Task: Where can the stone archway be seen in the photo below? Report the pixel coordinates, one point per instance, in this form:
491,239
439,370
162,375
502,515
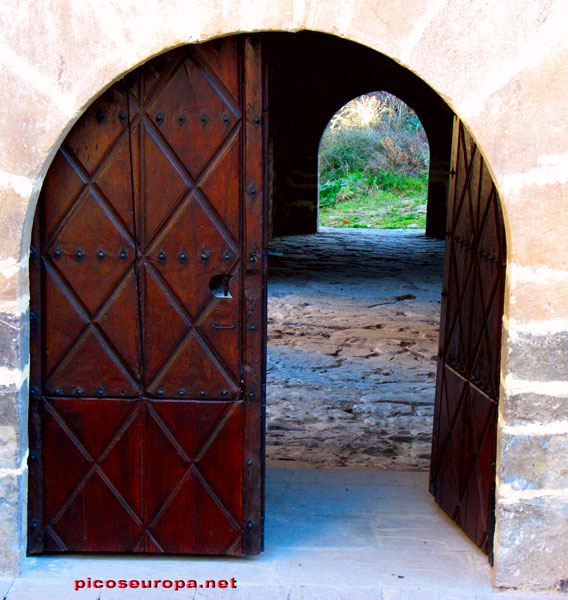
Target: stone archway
305,92
498,70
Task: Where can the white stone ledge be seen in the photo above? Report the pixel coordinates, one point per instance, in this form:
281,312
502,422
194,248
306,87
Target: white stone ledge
23,186
508,495
553,428
14,377
27,72
519,274
513,385
18,471
516,328
551,169
10,267
15,308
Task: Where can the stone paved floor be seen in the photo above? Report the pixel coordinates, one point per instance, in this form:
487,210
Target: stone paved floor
353,320
331,534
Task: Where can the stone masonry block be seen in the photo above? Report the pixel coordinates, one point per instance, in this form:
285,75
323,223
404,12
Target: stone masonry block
10,280
538,300
13,207
9,447
9,405
28,132
12,536
531,543
540,240
526,408
13,425
533,462
11,331
539,357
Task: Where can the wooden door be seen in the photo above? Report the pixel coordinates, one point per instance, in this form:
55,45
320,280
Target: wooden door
148,312
462,476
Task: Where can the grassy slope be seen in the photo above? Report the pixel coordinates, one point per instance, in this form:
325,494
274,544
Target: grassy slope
356,201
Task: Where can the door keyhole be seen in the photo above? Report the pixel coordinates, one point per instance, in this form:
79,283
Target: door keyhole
219,286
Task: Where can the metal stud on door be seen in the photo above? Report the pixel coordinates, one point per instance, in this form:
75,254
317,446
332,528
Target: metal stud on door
144,390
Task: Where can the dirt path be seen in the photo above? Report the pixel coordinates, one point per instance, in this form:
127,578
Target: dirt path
352,338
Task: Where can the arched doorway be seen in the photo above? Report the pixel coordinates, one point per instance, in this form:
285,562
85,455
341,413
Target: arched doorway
469,251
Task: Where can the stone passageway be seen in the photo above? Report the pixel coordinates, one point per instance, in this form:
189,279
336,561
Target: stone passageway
353,319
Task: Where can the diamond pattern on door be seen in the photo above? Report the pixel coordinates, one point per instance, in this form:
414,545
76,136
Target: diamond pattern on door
74,252
462,476
140,415
97,131
191,250
81,521
165,322
75,374
159,200
61,187
220,186
86,487
194,371
203,515
193,106
218,326
59,336
119,323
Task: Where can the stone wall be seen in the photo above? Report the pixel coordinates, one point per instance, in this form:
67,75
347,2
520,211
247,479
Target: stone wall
501,67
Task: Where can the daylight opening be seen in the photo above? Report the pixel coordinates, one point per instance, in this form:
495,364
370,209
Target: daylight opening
373,166
354,309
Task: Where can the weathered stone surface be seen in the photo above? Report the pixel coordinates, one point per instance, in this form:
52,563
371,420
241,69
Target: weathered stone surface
536,300
28,134
12,532
9,446
10,281
508,124
12,328
499,78
386,31
523,409
539,358
13,425
540,193
13,207
9,405
533,462
531,543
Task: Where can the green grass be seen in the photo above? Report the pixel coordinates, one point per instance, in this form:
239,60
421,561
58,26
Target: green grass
374,160
380,201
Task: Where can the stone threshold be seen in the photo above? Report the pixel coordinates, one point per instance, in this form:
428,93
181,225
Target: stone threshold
333,534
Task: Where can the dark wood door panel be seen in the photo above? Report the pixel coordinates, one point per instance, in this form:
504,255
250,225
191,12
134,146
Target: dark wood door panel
462,476
147,331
